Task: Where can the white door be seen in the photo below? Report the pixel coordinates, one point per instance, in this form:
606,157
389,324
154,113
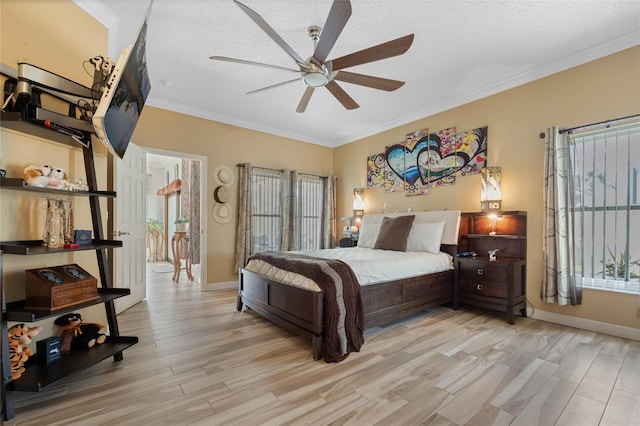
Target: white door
130,227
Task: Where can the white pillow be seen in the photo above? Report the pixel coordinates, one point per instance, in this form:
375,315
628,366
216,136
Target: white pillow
425,237
368,235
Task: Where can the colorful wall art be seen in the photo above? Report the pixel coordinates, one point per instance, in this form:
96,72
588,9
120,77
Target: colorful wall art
376,177
471,146
425,160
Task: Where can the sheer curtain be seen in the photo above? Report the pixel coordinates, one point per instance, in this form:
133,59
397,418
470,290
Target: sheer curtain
243,247
330,234
559,284
288,209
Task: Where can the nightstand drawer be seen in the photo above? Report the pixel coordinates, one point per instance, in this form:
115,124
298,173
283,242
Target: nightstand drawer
484,287
479,269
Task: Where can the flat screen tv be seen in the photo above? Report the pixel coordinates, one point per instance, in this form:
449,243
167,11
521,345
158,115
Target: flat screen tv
125,92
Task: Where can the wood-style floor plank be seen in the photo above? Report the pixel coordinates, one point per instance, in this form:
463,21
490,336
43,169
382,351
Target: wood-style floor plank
581,411
622,409
548,403
599,380
200,362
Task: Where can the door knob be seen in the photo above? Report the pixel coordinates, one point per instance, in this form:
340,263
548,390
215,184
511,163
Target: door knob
117,234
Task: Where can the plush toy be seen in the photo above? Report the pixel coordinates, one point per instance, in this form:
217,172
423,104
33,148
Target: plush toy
79,335
46,177
19,337
37,175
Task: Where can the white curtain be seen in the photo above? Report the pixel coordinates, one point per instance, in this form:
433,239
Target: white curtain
559,284
330,215
243,247
288,209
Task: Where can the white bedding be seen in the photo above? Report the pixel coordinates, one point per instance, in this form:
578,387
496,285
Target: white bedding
369,265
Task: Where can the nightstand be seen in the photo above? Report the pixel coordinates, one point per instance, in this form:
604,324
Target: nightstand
501,284
498,285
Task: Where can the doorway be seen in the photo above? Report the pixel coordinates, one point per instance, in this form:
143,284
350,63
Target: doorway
176,188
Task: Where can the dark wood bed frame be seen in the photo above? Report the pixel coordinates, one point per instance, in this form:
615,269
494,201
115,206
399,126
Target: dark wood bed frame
300,310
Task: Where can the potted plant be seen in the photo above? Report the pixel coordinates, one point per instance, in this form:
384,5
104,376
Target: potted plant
154,226
182,223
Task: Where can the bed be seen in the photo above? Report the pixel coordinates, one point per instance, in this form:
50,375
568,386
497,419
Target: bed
298,304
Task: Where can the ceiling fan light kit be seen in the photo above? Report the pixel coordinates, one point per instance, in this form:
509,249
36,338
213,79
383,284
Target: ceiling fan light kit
316,76
317,71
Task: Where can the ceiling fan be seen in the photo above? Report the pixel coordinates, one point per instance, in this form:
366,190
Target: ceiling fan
317,71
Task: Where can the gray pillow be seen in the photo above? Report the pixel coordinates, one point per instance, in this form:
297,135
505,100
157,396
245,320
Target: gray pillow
394,232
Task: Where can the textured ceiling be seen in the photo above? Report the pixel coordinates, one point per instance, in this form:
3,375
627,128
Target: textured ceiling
462,51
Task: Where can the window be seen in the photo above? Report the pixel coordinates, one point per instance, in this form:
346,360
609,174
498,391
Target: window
607,213
309,227
266,210
287,210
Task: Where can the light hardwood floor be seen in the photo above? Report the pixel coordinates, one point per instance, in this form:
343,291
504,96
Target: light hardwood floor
201,362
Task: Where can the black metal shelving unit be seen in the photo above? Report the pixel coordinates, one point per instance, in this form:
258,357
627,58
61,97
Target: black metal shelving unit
38,377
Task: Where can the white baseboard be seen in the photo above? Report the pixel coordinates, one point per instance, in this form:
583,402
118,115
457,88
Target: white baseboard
586,324
225,285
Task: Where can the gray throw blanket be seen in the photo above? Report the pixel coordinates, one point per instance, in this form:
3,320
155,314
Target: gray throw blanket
342,311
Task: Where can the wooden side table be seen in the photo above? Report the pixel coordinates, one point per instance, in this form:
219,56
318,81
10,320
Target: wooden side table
154,246
180,250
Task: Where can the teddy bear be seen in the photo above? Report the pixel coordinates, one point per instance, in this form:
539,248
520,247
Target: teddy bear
46,177
19,337
79,335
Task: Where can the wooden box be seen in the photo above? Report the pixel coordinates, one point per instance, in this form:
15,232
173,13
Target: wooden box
58,287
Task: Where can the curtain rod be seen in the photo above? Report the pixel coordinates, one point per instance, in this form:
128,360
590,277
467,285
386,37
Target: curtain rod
242,165
607,122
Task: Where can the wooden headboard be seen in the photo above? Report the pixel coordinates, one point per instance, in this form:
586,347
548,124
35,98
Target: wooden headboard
451,219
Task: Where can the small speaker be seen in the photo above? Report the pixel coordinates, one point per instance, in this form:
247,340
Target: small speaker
49,350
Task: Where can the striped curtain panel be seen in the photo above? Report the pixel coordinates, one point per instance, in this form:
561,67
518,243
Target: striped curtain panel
559,284
330,225
288,209
244,240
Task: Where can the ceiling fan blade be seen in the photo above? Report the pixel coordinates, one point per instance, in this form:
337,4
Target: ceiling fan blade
302,105
338,16
337,91
369,81
271,32
381,51
242,61
273,86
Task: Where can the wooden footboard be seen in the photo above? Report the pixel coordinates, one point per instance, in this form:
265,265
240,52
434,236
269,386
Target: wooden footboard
300,310
293,308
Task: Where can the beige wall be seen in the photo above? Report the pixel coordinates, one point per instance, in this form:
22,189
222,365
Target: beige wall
224,144
57,37
600,90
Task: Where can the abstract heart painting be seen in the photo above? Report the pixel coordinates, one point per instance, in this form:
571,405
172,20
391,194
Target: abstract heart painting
425,160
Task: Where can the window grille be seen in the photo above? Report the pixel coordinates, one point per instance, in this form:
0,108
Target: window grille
271,203
310,207
607,214
266,210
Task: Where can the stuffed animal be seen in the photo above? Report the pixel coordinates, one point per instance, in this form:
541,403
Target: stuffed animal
79,335
46,177
19,337
37,175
